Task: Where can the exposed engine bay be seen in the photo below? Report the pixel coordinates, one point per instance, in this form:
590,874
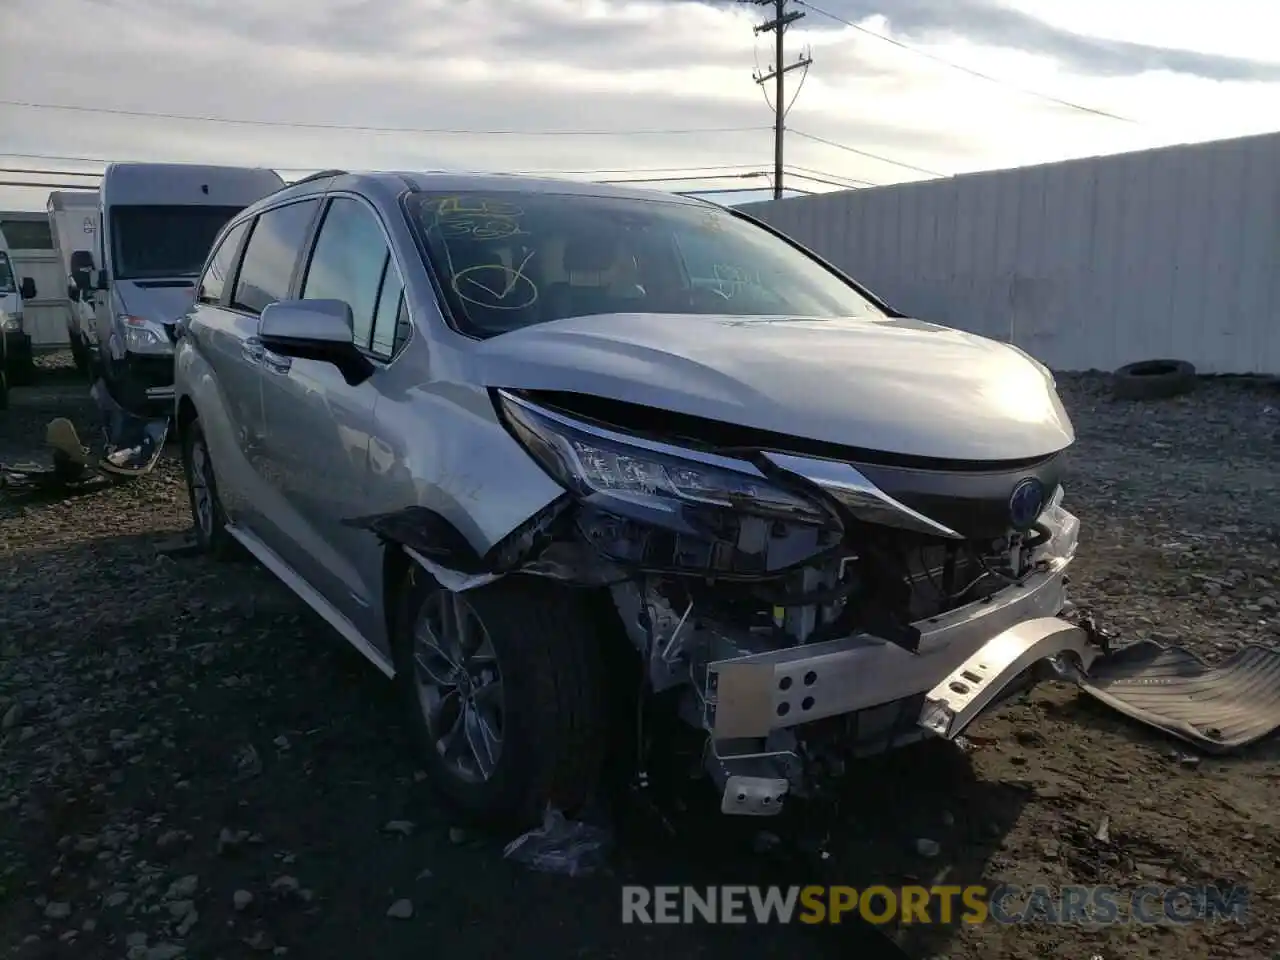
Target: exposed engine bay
801,605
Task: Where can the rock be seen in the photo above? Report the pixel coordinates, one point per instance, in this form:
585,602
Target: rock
12,717
57,910
169,838
180,908
928,848
457,835
187,923
183,888
1189,761
136,939
285,885
115,898
241,899
166,951
261,941
402,827
400,910
89,925
1049,849
229,840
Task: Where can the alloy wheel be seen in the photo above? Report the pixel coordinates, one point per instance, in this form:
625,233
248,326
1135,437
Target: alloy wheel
459,686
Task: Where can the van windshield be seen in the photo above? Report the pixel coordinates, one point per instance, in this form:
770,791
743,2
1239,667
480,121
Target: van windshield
154,242
510,259
6,275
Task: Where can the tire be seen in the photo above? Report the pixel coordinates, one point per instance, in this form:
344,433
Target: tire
553,728
4,388
1154,380
209,529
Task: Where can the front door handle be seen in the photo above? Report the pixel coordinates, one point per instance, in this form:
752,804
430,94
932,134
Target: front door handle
274,362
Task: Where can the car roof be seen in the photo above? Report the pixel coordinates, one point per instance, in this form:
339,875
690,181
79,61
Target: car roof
390,184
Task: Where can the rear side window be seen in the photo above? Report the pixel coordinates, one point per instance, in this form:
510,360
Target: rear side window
348,263
272,253
222,267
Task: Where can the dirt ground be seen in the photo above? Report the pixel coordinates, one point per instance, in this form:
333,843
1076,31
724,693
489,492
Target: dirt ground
191,760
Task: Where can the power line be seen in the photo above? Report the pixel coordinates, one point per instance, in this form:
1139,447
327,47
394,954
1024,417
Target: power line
109,111
839,176
47,186
753,175
955,66
812,179
781,20
864,153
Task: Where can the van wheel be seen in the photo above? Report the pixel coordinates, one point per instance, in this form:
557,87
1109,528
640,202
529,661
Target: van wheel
504,686
209,522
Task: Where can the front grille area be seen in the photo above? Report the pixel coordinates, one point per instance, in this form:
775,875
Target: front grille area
937,585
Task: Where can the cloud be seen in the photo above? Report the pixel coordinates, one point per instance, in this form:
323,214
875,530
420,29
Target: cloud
992,23
562,65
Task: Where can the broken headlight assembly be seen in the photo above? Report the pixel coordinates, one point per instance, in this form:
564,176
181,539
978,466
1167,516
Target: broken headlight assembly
660,507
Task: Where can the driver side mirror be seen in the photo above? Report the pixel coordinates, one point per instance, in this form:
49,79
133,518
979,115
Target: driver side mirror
101,280
27,288
73,293
320,330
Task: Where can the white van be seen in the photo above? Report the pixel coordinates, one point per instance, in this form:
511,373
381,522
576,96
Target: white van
15,342
75,218
157,223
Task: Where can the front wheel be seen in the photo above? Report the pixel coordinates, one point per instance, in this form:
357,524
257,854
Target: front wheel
505,693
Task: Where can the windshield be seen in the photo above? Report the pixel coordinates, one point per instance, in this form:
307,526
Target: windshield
159,242
6,275
509,260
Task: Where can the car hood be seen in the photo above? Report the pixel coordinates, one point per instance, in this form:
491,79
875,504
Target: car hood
894,385
160,301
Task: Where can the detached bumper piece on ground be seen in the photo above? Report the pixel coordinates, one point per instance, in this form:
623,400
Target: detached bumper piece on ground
132,446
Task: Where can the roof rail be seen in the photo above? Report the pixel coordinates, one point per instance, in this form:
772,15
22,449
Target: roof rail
322,175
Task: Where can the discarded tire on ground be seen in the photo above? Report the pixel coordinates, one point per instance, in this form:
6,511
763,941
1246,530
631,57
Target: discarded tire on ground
1153,380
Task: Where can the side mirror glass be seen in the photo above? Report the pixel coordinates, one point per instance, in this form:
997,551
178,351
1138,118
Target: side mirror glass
27,288
320,330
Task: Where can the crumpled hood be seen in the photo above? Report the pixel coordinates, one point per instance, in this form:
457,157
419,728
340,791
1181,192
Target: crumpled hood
160,301
893,385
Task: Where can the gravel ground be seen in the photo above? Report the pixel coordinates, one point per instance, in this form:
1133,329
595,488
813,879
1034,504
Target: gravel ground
189,759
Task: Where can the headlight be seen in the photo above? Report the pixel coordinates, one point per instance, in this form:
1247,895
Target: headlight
10,322
140,336
715,513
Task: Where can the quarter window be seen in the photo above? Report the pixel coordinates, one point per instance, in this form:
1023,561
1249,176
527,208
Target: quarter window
272,254
391,326
348,264
222,266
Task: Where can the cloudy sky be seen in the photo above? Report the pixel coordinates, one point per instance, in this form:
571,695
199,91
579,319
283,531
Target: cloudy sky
580,86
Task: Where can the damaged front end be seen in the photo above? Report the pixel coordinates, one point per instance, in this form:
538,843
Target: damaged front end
804,614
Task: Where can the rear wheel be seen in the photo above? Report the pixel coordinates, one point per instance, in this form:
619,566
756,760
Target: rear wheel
505,694
209,522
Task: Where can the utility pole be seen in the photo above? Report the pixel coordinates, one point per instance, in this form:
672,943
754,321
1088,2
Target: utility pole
781,20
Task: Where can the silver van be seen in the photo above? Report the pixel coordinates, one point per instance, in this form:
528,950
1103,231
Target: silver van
158,221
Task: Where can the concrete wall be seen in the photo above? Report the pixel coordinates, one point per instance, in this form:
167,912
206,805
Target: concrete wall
1087,264
31,249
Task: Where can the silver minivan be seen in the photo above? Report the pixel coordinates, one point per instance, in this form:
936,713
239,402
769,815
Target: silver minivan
537,447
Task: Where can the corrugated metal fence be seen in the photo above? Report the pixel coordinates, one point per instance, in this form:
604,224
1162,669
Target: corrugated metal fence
1087,264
